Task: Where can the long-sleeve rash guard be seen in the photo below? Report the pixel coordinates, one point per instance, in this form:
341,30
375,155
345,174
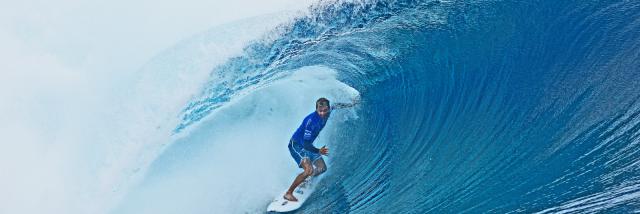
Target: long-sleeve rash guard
308,131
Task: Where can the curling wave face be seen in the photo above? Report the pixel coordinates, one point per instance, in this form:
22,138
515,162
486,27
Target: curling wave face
481,106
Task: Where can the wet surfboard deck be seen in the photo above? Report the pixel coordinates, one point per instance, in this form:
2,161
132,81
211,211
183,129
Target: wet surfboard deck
279,204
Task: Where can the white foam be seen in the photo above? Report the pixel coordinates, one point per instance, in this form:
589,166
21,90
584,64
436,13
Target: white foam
166,84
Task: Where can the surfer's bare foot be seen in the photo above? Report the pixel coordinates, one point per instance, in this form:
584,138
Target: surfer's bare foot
290,197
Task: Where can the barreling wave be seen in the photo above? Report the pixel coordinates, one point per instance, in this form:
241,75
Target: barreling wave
467,106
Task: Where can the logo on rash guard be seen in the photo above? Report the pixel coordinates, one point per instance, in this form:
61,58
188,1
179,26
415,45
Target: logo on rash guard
307,131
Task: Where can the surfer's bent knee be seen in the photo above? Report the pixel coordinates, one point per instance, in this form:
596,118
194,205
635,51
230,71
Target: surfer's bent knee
307,172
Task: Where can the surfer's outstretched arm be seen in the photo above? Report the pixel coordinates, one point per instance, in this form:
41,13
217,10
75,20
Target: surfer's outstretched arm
353,103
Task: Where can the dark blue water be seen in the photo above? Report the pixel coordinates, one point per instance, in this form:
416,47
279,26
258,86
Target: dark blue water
468,106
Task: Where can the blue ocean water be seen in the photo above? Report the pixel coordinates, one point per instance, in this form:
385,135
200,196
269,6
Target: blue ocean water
467,106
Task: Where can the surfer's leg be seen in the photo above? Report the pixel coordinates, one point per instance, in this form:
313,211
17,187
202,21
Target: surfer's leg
308,171
321,167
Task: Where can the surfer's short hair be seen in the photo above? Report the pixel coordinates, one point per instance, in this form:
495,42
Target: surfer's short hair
322,102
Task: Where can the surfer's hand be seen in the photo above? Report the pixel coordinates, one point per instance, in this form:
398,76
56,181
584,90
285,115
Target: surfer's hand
324,150
356,100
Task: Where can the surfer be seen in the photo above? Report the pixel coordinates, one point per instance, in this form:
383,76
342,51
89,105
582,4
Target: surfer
307,156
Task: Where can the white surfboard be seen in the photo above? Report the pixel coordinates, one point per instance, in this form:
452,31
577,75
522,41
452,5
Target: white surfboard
279,204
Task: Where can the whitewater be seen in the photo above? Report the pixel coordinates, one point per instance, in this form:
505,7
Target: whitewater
466,107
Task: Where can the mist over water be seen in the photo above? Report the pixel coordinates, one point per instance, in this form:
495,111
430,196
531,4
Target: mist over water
85,111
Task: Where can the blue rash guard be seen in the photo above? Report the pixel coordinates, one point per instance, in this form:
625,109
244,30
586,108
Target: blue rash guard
308,131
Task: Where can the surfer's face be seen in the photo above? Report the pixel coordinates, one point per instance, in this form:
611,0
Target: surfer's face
323,111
